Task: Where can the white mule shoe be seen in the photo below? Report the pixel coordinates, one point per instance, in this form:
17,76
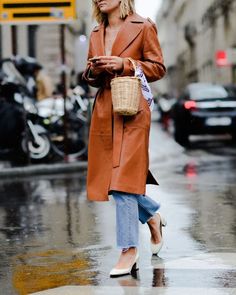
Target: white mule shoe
115,272
155,248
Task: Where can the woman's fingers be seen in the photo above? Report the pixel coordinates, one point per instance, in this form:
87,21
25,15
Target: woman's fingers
114,63
111,63
108,65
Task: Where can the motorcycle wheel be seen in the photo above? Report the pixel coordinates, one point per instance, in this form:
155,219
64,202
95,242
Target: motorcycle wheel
37,151
74,145
75,149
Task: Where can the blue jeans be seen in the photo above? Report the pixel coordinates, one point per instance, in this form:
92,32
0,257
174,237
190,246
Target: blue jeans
130,208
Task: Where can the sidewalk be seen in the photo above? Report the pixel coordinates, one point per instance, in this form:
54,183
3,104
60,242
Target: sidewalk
41,169
88,290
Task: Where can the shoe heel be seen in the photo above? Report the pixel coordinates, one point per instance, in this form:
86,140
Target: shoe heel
136,265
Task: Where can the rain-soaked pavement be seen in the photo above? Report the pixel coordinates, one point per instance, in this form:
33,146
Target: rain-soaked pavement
51,236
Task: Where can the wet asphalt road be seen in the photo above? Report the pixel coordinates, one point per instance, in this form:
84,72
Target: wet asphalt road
50,236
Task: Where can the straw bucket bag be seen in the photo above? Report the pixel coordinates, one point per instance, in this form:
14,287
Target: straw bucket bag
126,92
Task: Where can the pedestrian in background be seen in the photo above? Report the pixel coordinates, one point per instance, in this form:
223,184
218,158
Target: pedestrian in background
44,85
118,145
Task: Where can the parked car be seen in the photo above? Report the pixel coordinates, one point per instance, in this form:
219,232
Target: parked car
231,89
165,104
204,108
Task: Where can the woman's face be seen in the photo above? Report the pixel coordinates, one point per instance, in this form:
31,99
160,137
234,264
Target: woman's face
108,6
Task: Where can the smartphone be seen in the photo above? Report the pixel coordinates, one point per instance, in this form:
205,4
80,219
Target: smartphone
94,59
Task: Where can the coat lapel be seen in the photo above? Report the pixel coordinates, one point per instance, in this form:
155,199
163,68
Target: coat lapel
127,34
98,40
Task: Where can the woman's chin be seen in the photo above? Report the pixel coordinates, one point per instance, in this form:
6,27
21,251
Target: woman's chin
106,10
103,9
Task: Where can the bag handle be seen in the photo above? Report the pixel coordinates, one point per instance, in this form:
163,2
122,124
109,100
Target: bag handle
133,64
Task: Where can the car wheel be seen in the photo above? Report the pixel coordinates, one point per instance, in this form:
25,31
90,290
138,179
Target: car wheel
233,136
181,135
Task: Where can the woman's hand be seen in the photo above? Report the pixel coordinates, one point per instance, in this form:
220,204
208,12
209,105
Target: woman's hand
112,63
95,67
106,63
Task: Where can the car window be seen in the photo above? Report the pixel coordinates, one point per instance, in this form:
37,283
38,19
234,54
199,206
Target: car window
214,91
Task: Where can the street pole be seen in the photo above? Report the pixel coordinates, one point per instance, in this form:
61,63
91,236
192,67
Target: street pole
14,39
64,88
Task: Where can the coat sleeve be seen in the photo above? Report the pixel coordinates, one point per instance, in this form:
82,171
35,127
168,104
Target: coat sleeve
152,59
94,81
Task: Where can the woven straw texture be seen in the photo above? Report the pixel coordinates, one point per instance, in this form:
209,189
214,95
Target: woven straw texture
126,93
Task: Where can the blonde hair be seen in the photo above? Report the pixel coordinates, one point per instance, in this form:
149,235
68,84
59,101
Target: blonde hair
126,7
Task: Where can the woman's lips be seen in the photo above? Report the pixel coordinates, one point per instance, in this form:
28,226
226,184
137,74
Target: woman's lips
100,4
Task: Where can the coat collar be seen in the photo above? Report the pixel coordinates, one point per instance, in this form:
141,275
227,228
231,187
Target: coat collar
130,29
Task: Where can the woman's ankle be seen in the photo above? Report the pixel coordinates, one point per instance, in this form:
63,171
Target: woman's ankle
155,228
130,250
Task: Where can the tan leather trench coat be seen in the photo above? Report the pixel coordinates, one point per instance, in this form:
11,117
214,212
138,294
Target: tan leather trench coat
118,146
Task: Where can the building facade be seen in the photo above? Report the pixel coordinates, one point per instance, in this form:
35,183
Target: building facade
43,42
191,33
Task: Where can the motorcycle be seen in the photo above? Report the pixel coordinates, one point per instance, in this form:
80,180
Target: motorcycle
68,131
66,120
20,131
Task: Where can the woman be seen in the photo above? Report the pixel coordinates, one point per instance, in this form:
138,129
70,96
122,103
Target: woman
118,145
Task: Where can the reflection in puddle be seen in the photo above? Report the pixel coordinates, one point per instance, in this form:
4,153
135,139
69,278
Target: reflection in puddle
37,219
210,270
190,170
159,279
129,281
199,278
53,268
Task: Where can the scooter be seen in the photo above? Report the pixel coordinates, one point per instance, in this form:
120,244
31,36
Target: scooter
66,121
19,130
68,131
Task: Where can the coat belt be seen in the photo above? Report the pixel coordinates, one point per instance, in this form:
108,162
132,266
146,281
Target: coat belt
118,131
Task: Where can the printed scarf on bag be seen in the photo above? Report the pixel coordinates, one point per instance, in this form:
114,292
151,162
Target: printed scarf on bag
146,90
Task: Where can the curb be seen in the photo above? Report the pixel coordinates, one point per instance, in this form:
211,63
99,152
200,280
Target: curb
43,169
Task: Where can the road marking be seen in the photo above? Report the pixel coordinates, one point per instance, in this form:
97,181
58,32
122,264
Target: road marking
88,290
201,261
202,270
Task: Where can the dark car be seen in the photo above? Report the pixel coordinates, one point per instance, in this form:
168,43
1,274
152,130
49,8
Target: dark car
231,89
204,108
